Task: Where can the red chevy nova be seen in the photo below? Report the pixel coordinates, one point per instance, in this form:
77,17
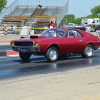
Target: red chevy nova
55,42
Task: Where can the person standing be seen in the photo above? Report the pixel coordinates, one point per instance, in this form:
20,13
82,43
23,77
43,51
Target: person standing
39,4
88,28
97,31
52,20
49,24
52,25
5,30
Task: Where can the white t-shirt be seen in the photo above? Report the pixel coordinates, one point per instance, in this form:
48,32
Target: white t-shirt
39,3
88,29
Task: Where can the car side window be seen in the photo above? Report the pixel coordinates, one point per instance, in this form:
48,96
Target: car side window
77,34
66,35
73,34
70,34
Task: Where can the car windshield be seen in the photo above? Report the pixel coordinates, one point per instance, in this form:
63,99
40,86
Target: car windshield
53,33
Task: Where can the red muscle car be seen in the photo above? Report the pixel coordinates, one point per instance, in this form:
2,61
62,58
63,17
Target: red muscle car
55,42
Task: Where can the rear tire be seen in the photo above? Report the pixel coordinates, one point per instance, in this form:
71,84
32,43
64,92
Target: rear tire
24,56
88,51
52,54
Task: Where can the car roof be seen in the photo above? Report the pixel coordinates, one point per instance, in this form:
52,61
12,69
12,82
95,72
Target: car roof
81,31
66,28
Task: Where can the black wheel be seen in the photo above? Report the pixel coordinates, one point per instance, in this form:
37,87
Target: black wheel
52,54
88,51
24,56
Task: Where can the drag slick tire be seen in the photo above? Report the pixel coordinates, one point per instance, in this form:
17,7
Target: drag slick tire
52,54
24,56
88,51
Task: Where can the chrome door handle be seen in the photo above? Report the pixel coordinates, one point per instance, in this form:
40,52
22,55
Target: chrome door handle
80,40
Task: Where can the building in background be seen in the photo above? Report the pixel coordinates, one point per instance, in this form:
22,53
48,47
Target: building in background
91,22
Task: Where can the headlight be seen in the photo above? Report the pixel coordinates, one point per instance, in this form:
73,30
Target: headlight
12,43
36,44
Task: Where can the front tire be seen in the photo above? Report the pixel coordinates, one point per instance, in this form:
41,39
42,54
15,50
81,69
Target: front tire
24,56
88,51
52,54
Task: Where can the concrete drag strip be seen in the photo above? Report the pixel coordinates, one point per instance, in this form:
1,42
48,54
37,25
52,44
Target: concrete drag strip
75,85
2,53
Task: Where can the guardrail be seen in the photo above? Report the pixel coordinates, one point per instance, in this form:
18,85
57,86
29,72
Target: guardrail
23,28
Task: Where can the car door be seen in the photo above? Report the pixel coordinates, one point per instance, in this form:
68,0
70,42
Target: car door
74,41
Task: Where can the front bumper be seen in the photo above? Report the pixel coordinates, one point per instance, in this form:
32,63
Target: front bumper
31,49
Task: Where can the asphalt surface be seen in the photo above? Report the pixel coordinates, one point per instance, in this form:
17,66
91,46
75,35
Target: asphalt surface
39,65
14,71
5,47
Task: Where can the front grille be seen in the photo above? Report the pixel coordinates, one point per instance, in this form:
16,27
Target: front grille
23,43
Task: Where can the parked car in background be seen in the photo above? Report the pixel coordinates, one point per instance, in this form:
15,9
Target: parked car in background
58,41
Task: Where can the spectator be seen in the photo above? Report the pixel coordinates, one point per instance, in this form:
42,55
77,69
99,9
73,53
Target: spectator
52,25
59,34
5,30
49,23
52,20
35,22
88,28
39,4
97,31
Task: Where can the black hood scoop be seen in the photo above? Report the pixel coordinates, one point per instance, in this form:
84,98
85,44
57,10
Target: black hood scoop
33,36
23,37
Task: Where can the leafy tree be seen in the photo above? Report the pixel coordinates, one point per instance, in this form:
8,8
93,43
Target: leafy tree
67,19
96,10
95,14
3,3
71,18
77,21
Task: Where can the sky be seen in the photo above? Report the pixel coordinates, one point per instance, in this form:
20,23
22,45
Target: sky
80,8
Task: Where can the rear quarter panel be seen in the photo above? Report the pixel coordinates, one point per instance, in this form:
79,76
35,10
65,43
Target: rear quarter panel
91,39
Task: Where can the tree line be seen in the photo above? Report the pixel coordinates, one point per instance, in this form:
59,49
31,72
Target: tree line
70,18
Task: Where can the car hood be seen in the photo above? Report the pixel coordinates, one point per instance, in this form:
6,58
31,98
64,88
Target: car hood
33,39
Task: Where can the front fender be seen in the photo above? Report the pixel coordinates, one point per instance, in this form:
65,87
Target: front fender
44,48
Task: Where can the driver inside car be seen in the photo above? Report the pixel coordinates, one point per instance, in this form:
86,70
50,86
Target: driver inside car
59,34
